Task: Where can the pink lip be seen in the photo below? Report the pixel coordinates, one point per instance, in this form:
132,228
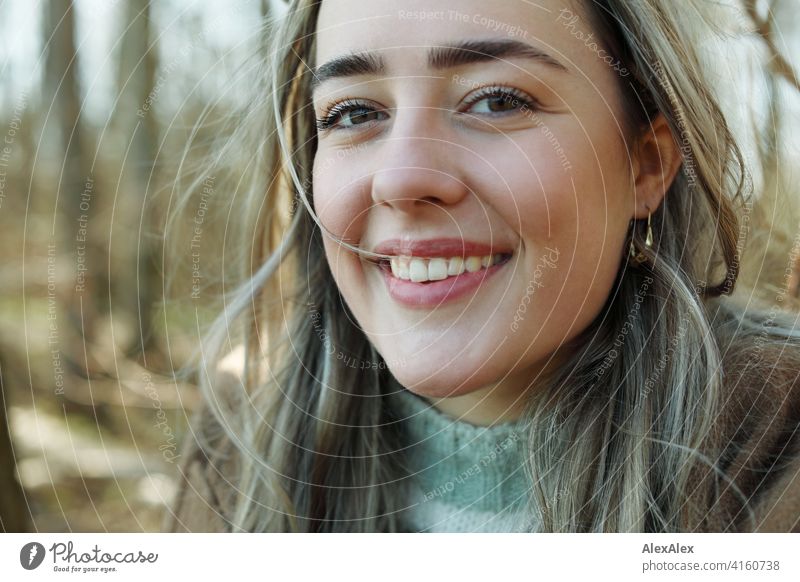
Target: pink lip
438,247
436,293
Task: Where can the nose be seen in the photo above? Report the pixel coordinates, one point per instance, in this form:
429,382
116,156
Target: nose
419,171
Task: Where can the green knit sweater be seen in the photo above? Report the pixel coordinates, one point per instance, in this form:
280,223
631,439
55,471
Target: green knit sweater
464,478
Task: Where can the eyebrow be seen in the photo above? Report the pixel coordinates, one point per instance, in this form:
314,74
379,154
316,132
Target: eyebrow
444,57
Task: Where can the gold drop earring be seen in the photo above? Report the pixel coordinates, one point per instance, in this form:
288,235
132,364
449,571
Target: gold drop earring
638,257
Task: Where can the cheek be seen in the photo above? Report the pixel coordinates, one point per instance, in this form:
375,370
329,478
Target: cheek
341,209
534,193
564,186
575,209
350,280
340,194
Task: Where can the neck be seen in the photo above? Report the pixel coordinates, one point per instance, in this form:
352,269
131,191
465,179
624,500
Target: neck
483,407
499,402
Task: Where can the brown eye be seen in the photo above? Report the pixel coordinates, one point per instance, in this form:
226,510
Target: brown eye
499,103
348,115
499,100
362,115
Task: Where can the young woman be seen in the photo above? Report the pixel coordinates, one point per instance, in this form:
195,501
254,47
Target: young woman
490,252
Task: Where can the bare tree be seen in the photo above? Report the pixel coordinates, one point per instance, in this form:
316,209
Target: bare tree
66,142
14,515
135,122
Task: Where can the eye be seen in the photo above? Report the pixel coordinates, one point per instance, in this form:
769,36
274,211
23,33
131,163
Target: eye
499,101
349,114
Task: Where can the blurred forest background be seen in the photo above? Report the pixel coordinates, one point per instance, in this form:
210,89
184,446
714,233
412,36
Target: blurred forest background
100,99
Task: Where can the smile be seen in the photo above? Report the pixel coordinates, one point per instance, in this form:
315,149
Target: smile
421,270
430,282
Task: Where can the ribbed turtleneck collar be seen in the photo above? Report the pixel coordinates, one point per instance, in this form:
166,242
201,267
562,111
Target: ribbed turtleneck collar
464,477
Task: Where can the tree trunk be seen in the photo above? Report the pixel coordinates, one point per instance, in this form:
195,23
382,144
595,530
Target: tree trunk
13,504
135,122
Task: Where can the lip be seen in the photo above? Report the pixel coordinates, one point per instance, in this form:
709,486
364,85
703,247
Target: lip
435,293
439,247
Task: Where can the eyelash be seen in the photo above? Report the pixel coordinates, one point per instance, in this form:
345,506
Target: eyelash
509,93
338,109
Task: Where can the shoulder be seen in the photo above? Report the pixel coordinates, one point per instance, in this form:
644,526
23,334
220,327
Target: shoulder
778,510
758,430
206,477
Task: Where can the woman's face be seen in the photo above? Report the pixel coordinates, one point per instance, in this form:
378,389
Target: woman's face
454,132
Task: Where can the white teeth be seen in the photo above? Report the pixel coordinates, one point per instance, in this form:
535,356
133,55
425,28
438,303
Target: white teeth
437,269
455,266
420,270
472,264
402,268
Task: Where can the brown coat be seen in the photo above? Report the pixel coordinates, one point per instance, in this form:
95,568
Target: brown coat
760,422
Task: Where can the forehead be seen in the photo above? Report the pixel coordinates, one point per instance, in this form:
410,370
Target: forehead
404,29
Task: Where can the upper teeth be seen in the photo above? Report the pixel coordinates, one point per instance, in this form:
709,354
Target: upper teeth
418,270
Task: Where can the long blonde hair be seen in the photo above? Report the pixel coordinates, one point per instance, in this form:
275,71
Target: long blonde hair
619,439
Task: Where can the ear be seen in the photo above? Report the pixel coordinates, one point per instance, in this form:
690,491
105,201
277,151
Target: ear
656,160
